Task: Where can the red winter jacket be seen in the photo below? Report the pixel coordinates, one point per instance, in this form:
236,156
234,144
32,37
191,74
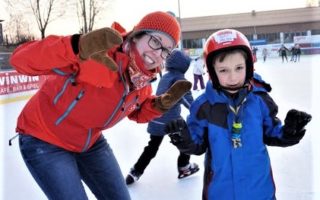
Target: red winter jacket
80,98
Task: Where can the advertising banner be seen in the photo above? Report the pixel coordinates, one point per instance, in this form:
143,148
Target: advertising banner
13,82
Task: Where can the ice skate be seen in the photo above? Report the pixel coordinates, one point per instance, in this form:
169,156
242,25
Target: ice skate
188,170
132,176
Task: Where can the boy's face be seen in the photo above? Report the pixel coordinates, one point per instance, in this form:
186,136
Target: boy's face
231,72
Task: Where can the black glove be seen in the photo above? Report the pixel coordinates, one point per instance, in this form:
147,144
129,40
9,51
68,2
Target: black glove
294,123
180,136
178,131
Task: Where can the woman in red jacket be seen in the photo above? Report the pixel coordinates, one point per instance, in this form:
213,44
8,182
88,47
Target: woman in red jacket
95,80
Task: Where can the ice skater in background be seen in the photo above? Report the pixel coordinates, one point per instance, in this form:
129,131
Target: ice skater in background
176,65
198,72
254,53
298,53
265,54
96,80
233,121
283,52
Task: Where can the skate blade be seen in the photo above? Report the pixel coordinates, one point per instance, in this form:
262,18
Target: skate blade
181,176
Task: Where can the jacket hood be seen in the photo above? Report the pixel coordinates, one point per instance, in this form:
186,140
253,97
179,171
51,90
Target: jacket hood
178,60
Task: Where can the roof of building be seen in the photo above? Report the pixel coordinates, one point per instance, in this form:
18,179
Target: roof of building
253,18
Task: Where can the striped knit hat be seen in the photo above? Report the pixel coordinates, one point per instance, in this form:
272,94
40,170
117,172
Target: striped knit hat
162,22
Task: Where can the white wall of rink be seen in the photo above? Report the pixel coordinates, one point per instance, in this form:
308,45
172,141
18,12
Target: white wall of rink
296,169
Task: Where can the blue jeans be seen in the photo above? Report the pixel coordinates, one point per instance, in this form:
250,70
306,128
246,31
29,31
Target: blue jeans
59,172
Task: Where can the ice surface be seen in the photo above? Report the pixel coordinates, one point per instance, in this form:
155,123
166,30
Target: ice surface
295,85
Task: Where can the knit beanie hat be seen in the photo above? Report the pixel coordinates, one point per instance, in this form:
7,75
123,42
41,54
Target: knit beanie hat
178,60
161,22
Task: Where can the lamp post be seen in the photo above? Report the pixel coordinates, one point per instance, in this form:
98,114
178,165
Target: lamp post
179,19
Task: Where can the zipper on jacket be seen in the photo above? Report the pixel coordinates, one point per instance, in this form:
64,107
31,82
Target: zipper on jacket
71,106
62,90
71,79
124,95
86,145
128,105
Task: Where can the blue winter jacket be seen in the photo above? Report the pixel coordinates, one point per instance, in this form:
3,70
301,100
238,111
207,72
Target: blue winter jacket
242,173
156,126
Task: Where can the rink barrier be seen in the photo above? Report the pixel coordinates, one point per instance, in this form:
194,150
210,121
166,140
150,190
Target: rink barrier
15,99
17,87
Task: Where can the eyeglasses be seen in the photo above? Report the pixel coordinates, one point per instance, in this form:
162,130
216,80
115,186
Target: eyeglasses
155,44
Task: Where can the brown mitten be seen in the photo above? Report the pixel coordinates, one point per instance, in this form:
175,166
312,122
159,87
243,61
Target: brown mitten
95,44
168,99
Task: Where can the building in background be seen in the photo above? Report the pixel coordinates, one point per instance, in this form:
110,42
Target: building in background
271,28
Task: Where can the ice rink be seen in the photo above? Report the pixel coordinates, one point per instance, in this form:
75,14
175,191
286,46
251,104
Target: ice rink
296,169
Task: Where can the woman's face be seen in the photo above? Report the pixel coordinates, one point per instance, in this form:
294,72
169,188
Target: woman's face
231,72
153,48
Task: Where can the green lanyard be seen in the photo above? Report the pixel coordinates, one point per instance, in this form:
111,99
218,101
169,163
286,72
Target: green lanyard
237,125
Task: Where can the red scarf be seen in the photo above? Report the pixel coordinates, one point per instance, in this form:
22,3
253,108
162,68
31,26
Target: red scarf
139,76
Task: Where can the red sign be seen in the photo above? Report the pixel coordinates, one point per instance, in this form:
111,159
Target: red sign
13,82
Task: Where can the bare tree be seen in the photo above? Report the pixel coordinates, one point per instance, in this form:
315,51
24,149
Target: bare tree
44,11
88,11
17,31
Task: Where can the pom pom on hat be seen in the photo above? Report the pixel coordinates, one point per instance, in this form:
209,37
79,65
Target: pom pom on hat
178,60
162,22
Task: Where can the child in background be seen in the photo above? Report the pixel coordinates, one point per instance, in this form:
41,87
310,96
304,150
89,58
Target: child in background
232,122
176,64
198,72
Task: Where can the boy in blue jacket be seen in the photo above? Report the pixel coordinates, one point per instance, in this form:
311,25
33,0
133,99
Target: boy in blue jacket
232,122
176,64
